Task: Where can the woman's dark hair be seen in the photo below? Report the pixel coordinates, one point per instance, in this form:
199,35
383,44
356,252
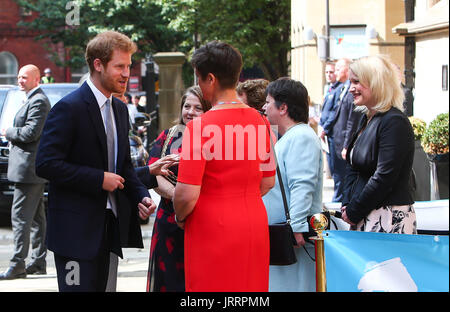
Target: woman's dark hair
292,93
220,59
196,91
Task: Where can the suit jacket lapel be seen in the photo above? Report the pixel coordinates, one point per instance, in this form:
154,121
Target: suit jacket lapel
97,120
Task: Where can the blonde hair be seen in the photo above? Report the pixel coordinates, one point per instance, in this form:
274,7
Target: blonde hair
377,73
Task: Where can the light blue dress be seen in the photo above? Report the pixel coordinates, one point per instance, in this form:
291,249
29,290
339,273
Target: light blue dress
300,161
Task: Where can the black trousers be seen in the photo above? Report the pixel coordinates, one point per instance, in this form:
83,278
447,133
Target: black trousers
81,275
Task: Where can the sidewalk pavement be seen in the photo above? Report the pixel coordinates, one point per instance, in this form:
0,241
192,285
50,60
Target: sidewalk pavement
132,272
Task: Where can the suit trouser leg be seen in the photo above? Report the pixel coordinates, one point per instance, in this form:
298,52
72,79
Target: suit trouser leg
111,286
26,204
92,275
79,275
38,229
338,170
115,250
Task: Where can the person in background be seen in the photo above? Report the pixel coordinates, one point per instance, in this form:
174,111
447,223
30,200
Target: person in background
342,128
217,198
132,110
142,104
313,115
166,261
253,92
47,78
333,87
28,210
378,193
136,100
299,157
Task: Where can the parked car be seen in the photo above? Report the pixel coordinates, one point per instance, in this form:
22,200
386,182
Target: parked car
10,101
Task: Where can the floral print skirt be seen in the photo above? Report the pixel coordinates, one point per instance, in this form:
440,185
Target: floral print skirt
389,219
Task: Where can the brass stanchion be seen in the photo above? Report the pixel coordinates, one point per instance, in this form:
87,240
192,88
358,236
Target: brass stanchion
319,223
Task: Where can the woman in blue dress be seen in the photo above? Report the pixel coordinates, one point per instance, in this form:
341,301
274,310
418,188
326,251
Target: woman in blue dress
299,159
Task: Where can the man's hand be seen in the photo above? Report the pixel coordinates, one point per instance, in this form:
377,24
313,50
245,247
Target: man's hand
146,207
322,135
344,153
160,167
112,181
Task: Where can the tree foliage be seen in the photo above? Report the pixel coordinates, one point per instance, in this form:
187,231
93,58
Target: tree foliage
259,29
141,20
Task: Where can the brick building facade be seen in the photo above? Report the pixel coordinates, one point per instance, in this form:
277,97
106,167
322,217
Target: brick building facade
18,46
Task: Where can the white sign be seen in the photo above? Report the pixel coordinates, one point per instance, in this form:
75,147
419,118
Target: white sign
349,42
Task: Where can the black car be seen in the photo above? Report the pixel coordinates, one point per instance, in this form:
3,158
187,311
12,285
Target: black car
10,104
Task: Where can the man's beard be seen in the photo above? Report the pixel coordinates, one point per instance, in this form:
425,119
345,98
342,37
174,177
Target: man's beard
112,86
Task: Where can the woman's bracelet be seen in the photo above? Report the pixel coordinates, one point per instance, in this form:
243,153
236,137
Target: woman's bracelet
179,221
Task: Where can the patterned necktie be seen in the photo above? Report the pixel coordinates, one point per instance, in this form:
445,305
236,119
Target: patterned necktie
111,152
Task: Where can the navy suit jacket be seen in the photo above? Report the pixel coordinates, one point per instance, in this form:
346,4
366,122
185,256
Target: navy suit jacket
72,156
329,107
346,119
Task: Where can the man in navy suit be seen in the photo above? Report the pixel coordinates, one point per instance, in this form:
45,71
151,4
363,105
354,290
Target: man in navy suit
328,109
343,126
94,195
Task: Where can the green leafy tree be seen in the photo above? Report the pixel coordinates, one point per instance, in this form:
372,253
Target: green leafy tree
141,20
259,29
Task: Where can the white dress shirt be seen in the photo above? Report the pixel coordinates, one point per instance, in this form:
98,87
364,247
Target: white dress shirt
101,99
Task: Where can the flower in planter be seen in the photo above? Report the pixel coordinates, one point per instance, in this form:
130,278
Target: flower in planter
418,126
435,139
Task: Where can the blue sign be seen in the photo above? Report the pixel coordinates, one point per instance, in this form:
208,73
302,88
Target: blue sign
378,262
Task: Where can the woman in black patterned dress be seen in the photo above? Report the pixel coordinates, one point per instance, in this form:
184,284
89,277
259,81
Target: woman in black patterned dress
166,263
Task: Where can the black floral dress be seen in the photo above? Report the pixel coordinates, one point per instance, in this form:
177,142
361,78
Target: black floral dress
166,263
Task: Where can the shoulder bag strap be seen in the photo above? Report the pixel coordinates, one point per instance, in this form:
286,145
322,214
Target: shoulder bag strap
280,180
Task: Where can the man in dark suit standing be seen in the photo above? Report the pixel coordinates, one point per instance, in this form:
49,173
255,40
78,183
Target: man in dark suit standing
328,110
94,195
27,212
343,127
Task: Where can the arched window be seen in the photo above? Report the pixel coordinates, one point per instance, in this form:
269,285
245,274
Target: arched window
8,68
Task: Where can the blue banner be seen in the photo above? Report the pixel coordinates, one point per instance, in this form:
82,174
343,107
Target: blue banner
365,262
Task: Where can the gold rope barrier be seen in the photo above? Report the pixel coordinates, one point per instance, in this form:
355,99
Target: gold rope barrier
319,223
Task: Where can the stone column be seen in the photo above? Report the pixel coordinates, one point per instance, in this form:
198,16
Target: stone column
171,87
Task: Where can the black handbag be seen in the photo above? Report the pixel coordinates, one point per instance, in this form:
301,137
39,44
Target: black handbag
281,236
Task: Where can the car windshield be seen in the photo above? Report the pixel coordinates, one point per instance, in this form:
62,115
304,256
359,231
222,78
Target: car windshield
3,93
15,98
55,94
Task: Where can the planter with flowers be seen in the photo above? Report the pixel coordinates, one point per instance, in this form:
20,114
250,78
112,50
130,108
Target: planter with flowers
435,142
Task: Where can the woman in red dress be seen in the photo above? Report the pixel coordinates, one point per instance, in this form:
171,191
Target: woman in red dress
225,168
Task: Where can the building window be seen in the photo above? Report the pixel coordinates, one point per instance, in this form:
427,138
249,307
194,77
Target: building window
8,68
